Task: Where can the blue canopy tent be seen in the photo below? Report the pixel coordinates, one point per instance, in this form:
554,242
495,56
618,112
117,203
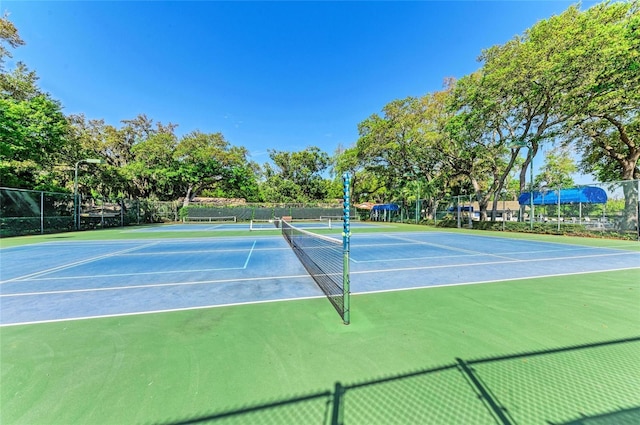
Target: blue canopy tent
385,207
383,212
576,195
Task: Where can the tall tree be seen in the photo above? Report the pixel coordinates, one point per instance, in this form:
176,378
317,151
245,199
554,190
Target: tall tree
557,169
153,167
401,145
33,129
604,58
296,176
209,162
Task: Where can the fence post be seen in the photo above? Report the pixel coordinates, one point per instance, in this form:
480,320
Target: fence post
470,207
504,209
559,210
79,211
41,213
458,204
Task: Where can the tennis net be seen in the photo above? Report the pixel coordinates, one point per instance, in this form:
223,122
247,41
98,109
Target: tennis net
229,219
323,257
257,224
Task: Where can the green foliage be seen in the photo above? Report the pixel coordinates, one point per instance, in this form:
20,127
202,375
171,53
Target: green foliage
8,35
557,169
183,212
33,133
208,161
296,176
604,101
538,228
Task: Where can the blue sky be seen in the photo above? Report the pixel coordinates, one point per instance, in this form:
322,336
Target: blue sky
267,75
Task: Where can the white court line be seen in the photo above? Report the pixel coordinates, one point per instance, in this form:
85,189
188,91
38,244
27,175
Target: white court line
171,310
211,228
561,248
204,251
450,248
444,266
617,245
249,256
76,263
171,241
154,285
181,271
375,245
392,270
433,257
93,276
378,291
544,251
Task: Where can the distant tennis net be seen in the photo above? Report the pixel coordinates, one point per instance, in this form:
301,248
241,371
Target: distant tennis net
323,257
229,219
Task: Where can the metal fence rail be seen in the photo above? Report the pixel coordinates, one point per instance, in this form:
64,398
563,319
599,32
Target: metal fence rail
619,213
28,212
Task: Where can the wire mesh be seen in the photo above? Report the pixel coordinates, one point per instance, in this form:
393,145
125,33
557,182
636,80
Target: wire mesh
322,257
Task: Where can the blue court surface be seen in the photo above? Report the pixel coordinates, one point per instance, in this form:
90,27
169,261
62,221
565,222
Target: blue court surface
72,280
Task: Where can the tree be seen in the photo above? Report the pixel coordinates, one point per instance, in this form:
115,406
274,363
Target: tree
209,162
296,176
89,138
8,35
153,167
557,169
480,155
32,134
33,130
406,145
605,100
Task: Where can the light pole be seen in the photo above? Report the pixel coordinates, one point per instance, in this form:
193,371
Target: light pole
76,203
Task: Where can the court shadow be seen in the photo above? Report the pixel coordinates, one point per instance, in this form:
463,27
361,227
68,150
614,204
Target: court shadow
618,417
307,409
589,384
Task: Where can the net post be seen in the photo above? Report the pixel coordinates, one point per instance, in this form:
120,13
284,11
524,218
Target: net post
346,245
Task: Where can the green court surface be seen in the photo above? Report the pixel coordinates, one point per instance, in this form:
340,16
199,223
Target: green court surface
553,350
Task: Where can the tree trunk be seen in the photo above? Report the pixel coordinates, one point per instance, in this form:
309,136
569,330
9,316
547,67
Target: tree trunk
630,219
187,198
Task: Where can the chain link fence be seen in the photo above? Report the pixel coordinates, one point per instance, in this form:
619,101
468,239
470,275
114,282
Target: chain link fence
615,209
249,212
28,212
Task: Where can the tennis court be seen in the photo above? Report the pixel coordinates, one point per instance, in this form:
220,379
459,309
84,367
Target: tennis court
97,279
232,329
